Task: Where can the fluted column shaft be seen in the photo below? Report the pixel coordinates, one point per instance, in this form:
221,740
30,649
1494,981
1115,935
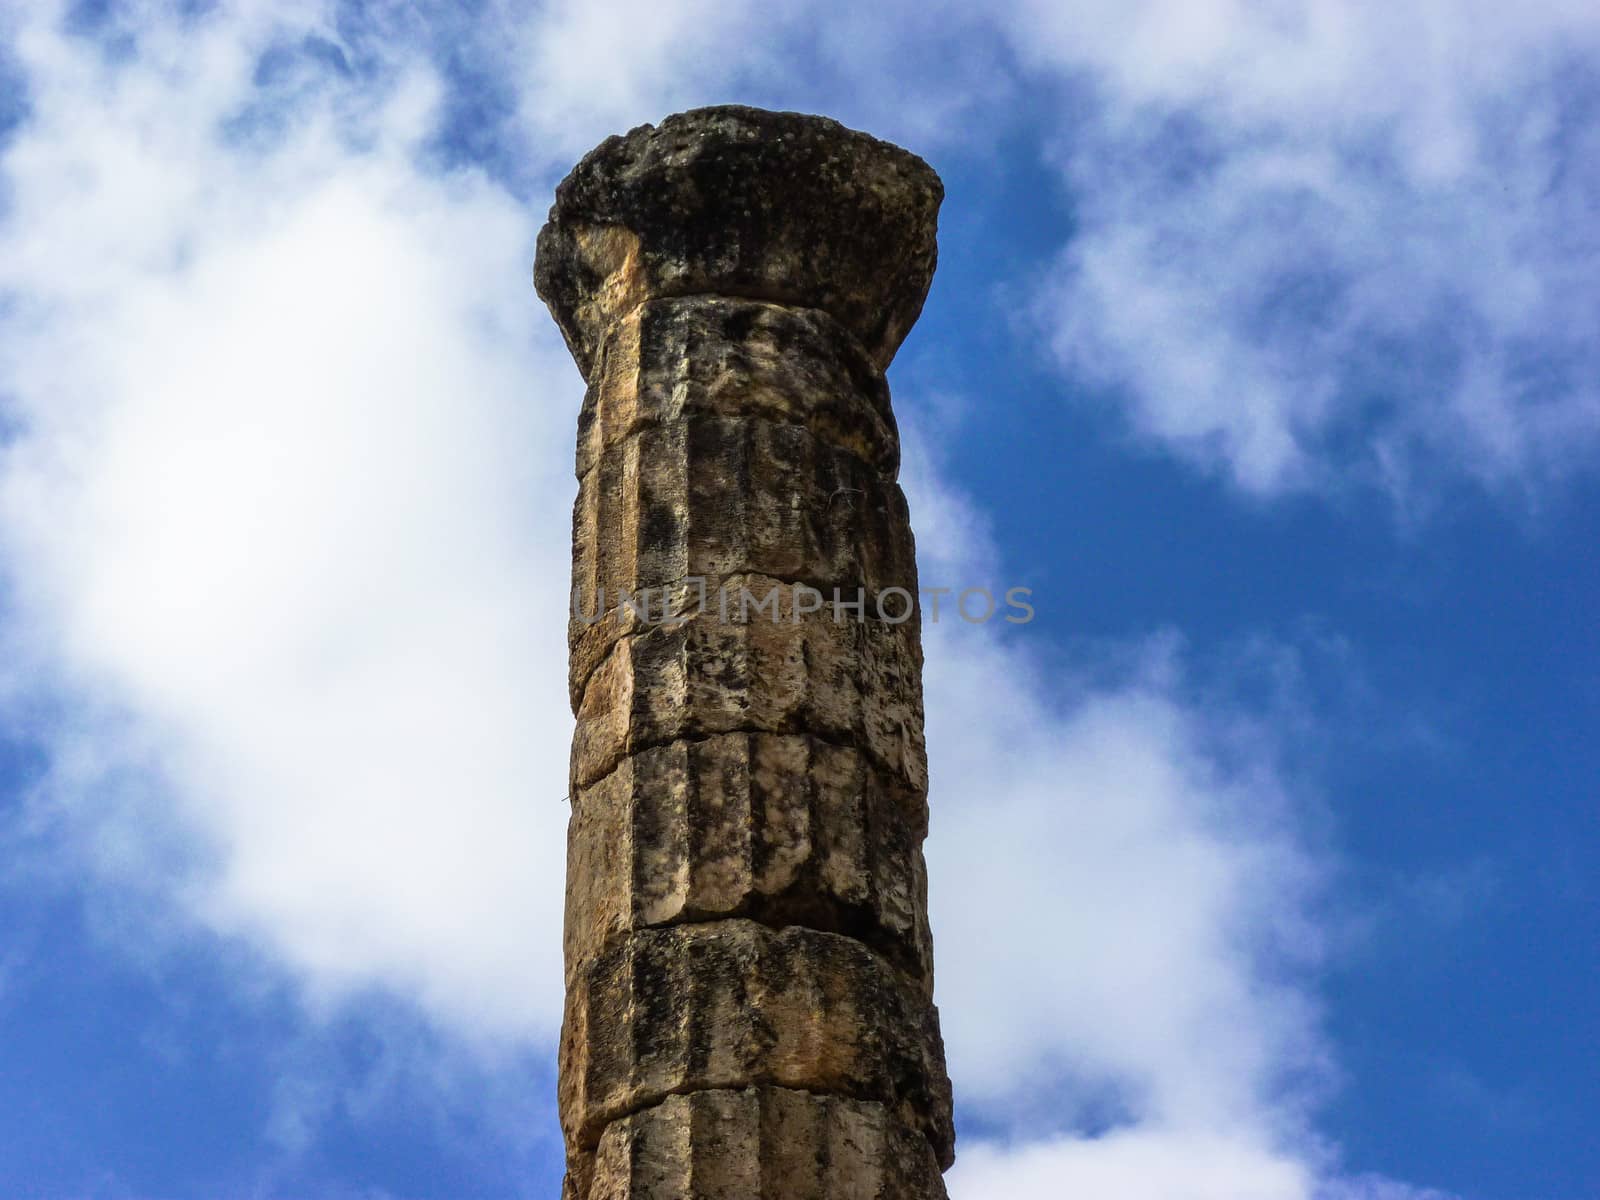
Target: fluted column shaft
748,963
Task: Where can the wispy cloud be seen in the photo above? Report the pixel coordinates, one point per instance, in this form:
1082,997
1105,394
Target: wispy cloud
1127,912
275,514
1325,242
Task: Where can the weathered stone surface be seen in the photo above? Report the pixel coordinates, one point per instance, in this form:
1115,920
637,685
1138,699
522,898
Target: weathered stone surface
719,356
761,1143
855,683
749,980
729,1004
713,497
740,202
781,828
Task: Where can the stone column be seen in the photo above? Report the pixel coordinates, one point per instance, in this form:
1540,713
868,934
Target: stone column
748,967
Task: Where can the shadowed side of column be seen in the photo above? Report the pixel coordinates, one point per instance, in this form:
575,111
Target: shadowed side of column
748,964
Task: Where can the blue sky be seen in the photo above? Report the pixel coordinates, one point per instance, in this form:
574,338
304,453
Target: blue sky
1263,348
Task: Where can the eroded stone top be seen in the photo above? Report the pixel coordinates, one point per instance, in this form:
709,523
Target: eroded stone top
739,201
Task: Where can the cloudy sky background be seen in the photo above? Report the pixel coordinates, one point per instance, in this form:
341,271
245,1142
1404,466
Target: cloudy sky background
1263,348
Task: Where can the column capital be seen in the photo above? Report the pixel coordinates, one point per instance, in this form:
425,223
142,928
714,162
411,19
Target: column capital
738,201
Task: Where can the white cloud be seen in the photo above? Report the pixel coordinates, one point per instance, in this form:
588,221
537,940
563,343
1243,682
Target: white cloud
1131,1165
583,71
586,78
1124,912
1155,1164
1324,241
280,510
1106,896
1118,886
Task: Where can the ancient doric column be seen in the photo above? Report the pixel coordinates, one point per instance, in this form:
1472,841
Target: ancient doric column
748,968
